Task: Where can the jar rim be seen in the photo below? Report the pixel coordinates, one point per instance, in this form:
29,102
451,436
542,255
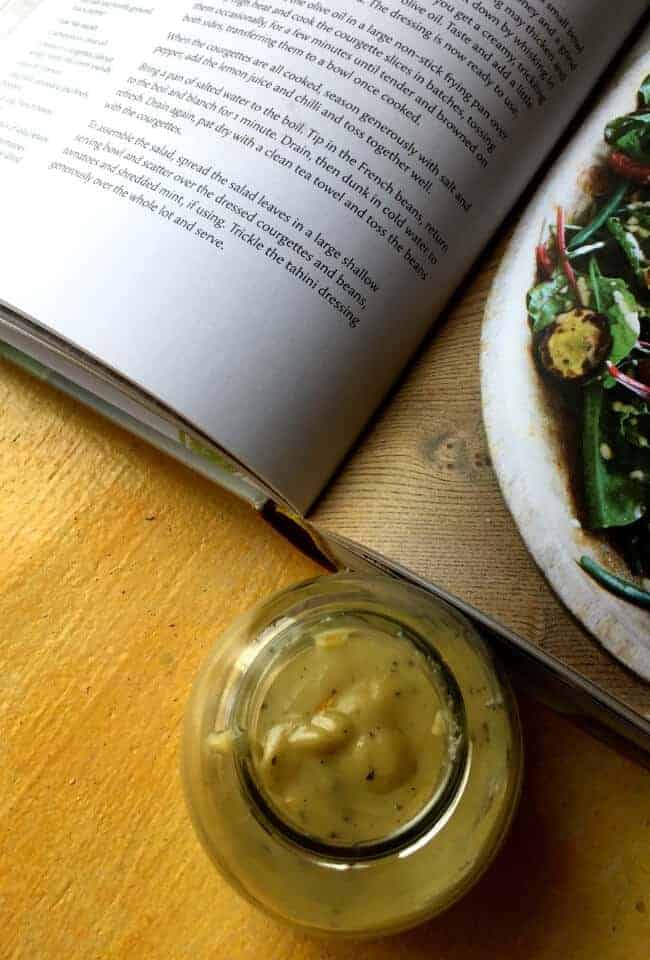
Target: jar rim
444,793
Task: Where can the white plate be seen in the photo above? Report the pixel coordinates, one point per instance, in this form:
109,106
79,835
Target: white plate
522,428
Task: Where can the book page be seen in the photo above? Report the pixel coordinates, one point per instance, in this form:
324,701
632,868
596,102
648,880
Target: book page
252,210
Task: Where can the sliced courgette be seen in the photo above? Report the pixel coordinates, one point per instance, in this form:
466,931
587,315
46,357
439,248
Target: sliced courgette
575,345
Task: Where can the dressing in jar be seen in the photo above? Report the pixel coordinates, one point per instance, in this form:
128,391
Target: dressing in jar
352,759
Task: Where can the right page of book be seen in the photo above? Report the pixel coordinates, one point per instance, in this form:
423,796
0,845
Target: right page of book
421,490
252,210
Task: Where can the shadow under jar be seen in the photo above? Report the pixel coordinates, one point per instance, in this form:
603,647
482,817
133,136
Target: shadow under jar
351,757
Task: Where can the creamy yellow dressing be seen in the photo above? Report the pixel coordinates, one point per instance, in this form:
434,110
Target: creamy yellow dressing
306,678
352,737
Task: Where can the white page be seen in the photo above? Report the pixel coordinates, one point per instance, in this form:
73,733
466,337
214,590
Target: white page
253,210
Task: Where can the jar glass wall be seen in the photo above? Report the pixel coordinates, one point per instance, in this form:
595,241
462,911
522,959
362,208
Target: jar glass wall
351,757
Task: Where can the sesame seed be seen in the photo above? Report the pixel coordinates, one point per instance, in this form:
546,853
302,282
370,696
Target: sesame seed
606,451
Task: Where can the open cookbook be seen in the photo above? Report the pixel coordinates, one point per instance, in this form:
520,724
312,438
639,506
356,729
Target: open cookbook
232,226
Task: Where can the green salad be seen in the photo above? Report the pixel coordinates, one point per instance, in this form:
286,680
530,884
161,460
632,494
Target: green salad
589,315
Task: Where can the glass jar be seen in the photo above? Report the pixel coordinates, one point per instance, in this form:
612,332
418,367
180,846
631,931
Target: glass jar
356,882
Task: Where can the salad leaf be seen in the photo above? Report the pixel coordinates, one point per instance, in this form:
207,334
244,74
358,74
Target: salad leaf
548,299
615,299
613,498
629,245
634,424
606,210
631,135
632,233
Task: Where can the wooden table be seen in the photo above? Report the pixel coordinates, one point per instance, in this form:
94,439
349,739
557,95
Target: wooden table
118,569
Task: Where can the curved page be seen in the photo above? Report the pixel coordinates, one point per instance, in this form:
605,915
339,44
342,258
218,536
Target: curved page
252,209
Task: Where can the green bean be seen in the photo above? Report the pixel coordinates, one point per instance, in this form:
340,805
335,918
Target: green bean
611,207
623,588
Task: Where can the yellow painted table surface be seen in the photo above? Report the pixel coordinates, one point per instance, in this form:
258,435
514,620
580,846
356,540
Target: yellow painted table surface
118,569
